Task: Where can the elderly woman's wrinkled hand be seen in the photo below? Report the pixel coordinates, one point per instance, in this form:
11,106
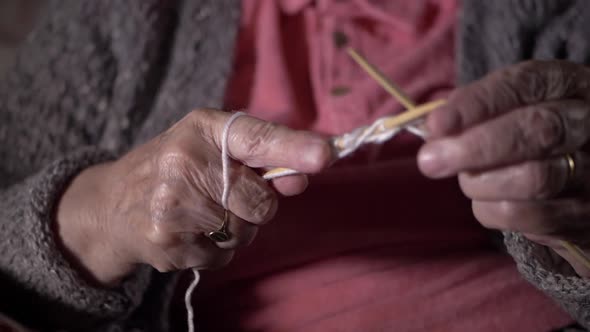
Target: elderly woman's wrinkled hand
156,204
507,137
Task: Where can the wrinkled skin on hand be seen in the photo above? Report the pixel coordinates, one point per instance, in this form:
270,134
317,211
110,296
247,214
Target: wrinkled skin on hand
155,204
505,137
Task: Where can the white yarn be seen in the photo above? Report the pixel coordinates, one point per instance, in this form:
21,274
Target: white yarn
225,157
417,131
376,133
187,300
224,198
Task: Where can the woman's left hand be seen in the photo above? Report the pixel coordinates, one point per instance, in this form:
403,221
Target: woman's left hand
507,137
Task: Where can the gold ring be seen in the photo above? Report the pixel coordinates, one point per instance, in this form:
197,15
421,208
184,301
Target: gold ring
221,235
571,167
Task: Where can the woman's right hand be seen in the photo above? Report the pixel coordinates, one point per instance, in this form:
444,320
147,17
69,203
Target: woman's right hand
155,205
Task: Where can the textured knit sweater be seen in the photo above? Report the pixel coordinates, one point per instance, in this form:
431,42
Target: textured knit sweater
96,78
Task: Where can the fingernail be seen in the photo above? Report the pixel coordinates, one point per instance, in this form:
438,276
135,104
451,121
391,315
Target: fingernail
432,160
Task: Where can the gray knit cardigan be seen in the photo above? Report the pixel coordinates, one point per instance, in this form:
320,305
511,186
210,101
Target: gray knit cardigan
97,77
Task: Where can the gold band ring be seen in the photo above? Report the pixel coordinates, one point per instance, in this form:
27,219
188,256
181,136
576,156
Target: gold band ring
575,251
571,167
221,235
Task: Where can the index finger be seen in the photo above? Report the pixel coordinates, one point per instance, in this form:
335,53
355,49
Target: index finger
502,91
258,143
535,132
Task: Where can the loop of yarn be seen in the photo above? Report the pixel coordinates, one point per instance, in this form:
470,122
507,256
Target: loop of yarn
190,315
224,198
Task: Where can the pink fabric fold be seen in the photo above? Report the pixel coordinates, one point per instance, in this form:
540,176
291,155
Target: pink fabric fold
289,69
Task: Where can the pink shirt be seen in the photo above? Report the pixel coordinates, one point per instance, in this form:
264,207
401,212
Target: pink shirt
372,245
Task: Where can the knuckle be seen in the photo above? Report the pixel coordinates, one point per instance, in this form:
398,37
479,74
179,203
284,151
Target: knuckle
539,180
482,216
508,210
193,119
175,161
258,138
173,156
508,214
501,88
482,147
203,115
494,215
165,206
541,80
163,203
199,121
262,203
475,102
543,128
561,79
529,81
196,115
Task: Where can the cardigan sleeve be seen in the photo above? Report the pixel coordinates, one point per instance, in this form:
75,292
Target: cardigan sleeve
35,275
494,34
552,275
62,103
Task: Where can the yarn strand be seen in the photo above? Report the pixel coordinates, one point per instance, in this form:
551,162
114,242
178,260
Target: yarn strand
225,157
225,160
190,315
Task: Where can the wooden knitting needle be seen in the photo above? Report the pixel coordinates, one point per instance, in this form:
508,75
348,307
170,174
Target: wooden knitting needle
577,253
385,83
412,114
403,98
